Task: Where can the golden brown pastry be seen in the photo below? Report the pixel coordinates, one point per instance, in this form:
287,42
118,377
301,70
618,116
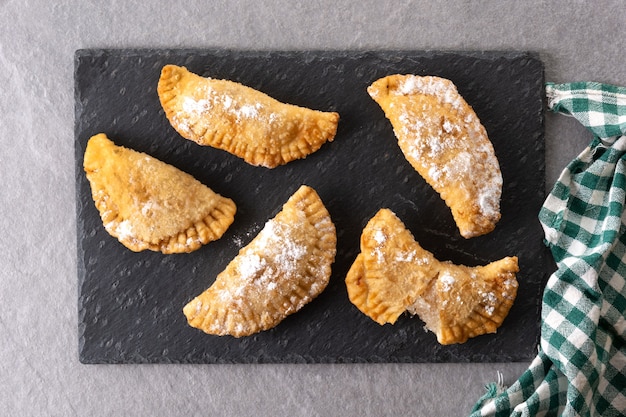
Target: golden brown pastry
394,274
148,204
243,121
283,268
386,245
443,139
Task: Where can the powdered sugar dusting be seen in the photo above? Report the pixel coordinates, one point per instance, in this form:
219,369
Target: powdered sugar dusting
447,281
441,88
410,85
275,254
248,111
489,301
282,254
489,199
250,264
196,109
435,173
287,250
123,230
406,256
449,148
510,284
380,238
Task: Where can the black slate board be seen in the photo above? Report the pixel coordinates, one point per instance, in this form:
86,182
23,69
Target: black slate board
130,304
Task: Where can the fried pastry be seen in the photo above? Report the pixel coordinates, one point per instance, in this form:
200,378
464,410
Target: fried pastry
394,274
241,120
441,136
283,268
386,245
148,204
466,302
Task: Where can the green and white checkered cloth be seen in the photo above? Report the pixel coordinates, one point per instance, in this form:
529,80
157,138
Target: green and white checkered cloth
580,369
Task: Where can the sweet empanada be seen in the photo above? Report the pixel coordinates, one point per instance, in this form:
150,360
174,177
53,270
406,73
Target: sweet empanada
148,204
386,245
394,274
283,268
465,302
241,120
443,139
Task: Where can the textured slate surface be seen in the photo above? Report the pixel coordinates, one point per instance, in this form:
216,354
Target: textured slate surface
130,304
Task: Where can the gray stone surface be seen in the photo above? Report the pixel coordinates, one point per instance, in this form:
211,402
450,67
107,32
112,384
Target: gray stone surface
39,369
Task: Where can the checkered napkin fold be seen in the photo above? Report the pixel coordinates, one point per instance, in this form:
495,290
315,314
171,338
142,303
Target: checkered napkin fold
580,369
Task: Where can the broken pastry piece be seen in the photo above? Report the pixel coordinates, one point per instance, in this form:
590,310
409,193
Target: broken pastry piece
148,204
283,268
241,120
388,274
394,274
443,139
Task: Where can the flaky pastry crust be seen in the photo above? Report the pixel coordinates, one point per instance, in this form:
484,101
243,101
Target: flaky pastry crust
283,268
241,120
148,204
443,139
394,274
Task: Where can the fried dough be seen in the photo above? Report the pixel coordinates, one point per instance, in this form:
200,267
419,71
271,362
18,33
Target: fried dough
148,204
443,139
394,274
283,268
241,120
